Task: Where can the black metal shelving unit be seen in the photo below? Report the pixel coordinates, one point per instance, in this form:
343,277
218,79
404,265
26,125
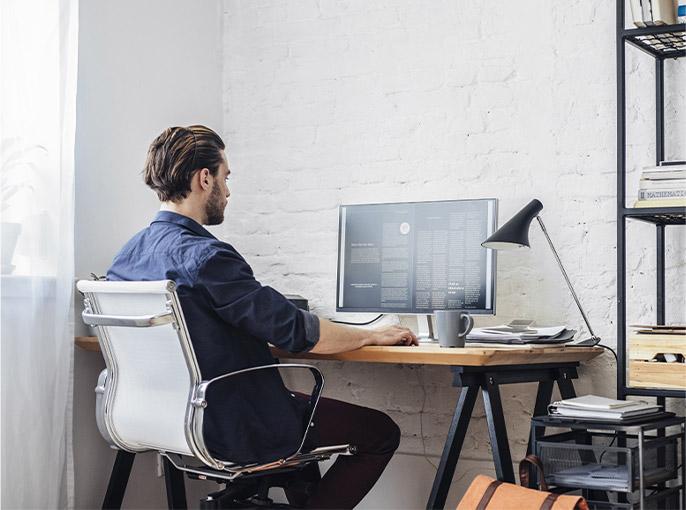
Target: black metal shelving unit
662,43
642,456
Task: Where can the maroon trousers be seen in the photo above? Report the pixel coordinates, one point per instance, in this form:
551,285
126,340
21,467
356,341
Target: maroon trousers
347,482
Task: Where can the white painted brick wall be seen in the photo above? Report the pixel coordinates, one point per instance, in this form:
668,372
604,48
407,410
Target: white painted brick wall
329,102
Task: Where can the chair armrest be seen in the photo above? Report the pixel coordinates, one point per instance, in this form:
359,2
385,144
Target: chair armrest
133,321
200,398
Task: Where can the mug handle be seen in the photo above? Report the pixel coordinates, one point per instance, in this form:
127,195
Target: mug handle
469,323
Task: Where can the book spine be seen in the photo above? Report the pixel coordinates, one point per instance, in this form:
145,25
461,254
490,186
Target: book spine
647,13
645,194
637,13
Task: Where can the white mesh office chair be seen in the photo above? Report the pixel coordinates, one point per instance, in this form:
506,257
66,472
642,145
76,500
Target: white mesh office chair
151,395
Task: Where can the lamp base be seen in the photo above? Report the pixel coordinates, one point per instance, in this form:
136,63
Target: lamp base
589,342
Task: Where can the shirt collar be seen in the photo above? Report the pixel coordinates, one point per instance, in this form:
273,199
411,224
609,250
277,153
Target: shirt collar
184,221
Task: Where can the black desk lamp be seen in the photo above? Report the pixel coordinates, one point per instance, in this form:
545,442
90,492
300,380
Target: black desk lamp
515,234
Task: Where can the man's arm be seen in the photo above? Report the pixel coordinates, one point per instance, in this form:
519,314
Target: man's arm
335,338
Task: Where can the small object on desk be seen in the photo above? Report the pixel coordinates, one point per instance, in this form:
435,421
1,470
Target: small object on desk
452,327
520,324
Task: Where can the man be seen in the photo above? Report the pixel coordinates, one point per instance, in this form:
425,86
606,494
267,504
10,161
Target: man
231,319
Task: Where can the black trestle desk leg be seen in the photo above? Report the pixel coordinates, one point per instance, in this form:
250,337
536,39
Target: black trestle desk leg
176,488
497,430
452,448
118,480
564,382
543,397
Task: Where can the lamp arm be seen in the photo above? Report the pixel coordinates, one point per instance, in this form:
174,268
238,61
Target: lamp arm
564,273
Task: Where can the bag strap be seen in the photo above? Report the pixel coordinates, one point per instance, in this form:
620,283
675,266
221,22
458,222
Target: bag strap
488,494
524,471
549,501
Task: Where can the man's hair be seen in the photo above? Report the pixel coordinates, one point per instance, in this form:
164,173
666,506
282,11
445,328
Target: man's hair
175,155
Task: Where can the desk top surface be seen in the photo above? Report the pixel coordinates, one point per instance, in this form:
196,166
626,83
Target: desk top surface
432,354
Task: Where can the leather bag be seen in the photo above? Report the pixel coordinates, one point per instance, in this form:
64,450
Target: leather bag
486,493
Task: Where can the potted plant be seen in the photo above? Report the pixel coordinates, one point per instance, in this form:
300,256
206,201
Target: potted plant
19,164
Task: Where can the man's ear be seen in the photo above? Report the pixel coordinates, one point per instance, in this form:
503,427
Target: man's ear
204,179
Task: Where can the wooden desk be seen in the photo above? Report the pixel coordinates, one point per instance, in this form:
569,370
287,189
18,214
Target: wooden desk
432,354
475,369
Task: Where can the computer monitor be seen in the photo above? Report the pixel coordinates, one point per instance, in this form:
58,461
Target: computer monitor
416,257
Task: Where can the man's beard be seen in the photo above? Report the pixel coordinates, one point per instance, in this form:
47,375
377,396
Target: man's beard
214,209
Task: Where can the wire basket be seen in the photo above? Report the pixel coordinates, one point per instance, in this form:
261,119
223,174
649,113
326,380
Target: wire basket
606,461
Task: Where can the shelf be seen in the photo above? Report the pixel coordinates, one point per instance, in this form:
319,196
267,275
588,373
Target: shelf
664,41
660,42
657,215
655,392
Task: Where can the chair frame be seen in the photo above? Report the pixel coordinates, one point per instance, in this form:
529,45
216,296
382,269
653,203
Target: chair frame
212,467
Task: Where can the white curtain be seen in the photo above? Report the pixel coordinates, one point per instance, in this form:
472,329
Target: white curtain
38,61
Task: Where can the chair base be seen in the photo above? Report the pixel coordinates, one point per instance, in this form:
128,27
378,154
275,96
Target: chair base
219,501
253,493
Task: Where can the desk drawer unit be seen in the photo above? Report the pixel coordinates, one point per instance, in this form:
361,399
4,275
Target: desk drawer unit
607,461
645,371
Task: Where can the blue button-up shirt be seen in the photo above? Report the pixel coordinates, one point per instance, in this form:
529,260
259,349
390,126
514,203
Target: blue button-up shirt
231,318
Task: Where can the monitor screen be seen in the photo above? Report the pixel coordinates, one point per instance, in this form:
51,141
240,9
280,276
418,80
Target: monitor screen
416,257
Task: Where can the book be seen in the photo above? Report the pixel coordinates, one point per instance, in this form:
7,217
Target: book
664,202
637,13
664,12
647,13
618,414
647,194
654,184
591,402
596,407
664,172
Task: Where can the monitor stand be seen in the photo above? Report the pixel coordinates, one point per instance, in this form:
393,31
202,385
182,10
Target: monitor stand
425,329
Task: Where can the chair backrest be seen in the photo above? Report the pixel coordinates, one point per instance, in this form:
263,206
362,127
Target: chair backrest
152,370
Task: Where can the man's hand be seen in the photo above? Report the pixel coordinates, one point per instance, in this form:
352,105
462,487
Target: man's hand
335,338
392,335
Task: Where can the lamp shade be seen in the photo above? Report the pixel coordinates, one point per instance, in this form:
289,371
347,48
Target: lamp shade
515,233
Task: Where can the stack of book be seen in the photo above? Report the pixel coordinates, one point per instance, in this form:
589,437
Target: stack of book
594,407
663,186
647,13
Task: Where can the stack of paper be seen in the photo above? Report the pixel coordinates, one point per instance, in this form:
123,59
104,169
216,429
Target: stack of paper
601,408
506,334
592,476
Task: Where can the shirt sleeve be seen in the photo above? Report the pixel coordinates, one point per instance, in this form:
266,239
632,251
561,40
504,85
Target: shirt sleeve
241,301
